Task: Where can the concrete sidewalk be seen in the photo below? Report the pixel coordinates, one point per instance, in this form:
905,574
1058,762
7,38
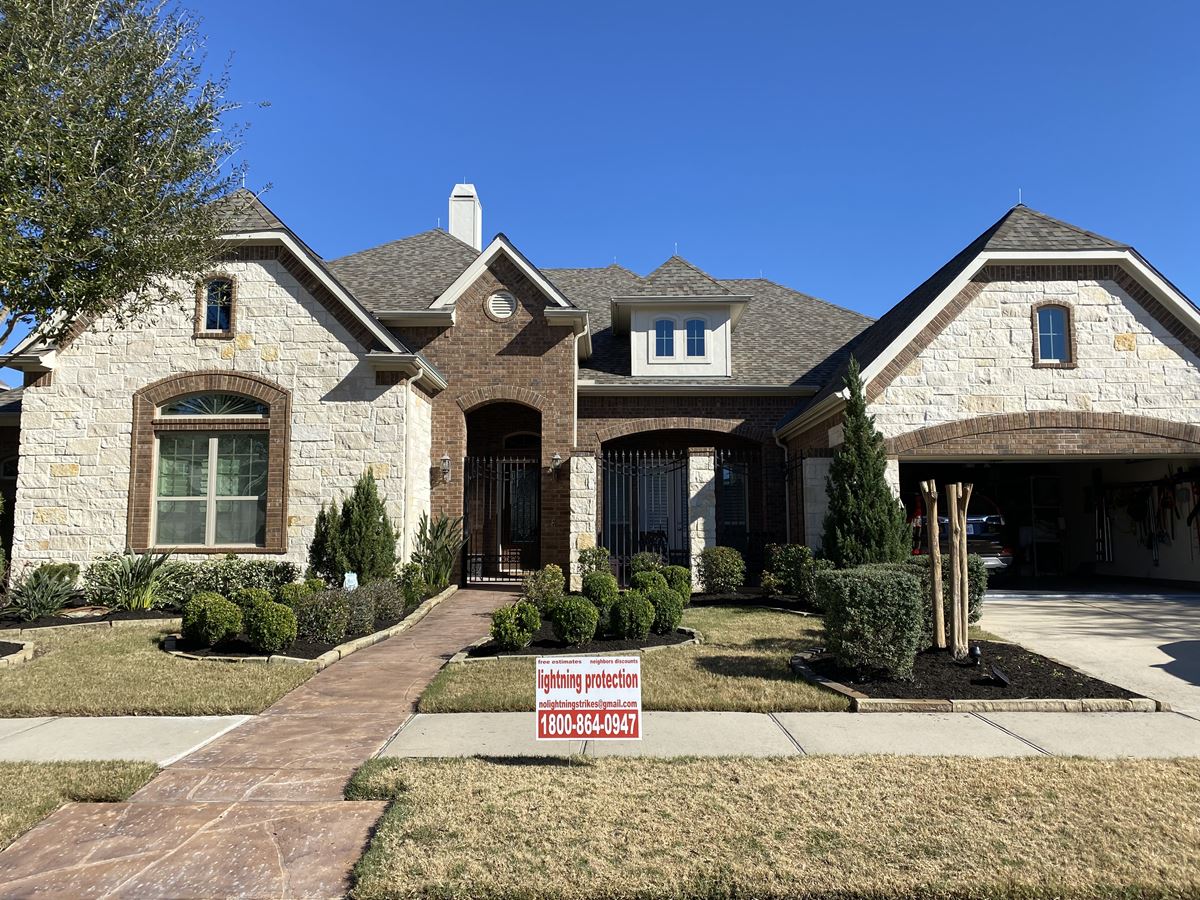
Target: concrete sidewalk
667,734
158,739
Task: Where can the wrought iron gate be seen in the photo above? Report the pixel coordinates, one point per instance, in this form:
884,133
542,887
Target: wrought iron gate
739,477
644,498
502,501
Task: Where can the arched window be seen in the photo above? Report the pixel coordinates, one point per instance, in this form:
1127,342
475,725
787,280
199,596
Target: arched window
664,339
215,306
696,331
210,465
1053,339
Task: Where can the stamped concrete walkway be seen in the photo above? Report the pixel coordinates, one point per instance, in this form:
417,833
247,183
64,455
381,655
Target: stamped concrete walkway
259,811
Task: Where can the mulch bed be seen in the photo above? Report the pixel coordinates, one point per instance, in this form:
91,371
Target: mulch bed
777,601
936,676
115,616
545,644
8,648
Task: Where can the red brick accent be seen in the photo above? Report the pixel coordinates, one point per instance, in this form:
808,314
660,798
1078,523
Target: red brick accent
522,359
202,307
1050,433
1035,346
694,423
141,463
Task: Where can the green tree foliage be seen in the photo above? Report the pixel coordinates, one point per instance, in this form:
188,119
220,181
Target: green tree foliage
865,523
326,560
115,154
368,539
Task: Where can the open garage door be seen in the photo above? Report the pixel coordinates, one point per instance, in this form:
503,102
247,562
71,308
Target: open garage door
1037,520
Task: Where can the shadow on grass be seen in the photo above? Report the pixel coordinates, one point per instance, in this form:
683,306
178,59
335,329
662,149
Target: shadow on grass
747,666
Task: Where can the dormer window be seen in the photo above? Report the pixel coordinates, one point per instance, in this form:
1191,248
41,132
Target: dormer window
1053,340
215,298
696,331
664,339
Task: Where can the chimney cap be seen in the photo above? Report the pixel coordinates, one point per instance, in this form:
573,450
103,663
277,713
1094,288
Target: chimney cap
464,189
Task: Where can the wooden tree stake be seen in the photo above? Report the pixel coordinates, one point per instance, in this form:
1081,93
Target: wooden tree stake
929,490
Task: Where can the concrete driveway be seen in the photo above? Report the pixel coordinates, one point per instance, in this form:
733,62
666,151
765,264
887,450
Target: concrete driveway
1146,642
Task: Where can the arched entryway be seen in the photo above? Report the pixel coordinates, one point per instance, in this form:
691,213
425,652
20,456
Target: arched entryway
502,493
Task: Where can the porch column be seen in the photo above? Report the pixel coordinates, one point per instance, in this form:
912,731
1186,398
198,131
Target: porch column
702,501
892,475
583,512
816,498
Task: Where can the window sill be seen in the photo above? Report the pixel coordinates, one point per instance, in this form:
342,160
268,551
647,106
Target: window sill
214,335
237,549
1038,364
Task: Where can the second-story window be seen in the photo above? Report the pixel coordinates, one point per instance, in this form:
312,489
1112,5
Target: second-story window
216,300
695,337
664,338
1053,335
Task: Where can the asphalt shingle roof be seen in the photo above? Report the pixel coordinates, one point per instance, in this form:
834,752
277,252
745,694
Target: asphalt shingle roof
406,274
679,278
245,212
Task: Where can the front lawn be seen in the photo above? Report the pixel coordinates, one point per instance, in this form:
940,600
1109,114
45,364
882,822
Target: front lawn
90,671
805,827
31,791
742,666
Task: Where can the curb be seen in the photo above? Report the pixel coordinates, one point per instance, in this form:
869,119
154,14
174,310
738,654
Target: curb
861,703
172,622
329,657
462,655
15,659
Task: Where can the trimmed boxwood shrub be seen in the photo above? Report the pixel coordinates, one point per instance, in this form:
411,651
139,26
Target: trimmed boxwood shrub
362,612
602,590
513,627
316,585
387,597
647,581
208,619
794,566
632,616
291,594
248,597
270,626
679,579
977,580
594,559
545,587
412,584
222,576
668,609
324,617
644,562
873,618
722,570
575,620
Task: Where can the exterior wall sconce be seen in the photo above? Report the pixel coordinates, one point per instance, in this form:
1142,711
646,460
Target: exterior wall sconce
555,463
445,468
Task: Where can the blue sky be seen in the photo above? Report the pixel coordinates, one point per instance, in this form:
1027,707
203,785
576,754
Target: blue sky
844,149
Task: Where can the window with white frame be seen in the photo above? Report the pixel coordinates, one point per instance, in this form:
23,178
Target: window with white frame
1053,334
697,330
211,485
664,339
218,305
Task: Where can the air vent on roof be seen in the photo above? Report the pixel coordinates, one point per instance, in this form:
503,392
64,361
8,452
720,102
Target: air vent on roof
502,305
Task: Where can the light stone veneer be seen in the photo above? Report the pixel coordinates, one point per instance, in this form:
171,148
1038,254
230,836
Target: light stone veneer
702,504
73,486
583,513
981,364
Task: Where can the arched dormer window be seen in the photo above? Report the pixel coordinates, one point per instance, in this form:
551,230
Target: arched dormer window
1053,338
210,465
664,339
216,299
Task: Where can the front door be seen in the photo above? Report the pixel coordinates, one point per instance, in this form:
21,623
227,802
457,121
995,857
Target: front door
502,517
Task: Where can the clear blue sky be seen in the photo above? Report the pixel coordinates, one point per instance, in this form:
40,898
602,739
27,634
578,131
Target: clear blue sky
844,149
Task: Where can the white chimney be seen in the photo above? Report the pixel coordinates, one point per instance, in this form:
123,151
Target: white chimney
466,215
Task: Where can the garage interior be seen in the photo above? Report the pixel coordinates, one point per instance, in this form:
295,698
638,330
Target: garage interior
1085,520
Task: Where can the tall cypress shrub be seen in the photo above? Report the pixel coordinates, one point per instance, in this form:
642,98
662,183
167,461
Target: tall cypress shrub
865,522
326,560
367,537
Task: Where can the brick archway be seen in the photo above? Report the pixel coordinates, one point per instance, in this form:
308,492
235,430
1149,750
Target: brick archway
501,393
1051,433
683,423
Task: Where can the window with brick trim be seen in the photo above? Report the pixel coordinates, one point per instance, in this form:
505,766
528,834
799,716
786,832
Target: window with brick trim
1053,341
216,306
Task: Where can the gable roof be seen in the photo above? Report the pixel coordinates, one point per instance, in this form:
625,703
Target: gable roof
406,274
501,245
243,211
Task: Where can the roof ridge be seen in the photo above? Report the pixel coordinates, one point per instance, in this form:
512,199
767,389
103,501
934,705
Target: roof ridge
427,232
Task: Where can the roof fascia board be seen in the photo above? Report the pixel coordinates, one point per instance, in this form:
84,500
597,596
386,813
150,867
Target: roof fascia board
417,317
620,306
413,365
813,414
581,325
322,274
471,273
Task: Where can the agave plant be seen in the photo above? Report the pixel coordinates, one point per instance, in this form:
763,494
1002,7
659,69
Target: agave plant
438,544
143,581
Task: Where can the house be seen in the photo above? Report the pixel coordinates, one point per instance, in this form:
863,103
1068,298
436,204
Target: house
558,408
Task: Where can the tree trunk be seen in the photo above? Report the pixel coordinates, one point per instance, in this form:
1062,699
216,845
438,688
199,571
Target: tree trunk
957,638
933,533
964,578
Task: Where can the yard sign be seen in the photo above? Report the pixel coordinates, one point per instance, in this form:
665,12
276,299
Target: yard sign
589,698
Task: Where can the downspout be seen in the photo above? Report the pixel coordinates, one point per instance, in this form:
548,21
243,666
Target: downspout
405,537
787,492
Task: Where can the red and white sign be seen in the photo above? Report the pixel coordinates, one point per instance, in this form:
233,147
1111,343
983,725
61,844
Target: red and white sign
589,698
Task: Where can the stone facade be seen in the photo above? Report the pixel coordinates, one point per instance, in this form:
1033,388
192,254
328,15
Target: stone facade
583,512
981,362
702,503
76,428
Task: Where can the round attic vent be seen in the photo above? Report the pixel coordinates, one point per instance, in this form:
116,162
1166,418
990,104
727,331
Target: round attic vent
502,305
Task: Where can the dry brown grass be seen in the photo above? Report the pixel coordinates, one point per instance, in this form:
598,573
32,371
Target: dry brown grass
742,666
31,791
879,827
121,671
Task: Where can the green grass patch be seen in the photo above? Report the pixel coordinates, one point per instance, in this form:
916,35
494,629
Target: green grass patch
31,791
84,671
742,666
797,827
